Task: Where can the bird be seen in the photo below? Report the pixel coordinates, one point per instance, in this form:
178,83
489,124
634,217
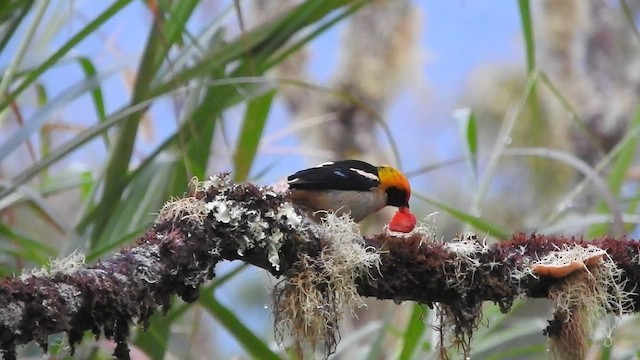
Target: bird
353,187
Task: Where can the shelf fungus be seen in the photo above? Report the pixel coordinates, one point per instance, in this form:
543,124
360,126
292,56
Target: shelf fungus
561,263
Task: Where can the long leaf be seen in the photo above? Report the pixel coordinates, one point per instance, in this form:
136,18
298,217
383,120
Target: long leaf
95,254
618,175
479,224
527,33
26,247
63,150
154,341
250,342
255,119
12,13
414,332
87,31
530,51
96,95
146,194
44,113
115,179
260,41
466,120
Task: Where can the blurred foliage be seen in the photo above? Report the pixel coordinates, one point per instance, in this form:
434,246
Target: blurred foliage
49,207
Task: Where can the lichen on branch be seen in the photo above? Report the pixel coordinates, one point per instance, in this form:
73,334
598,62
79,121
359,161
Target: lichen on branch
324,268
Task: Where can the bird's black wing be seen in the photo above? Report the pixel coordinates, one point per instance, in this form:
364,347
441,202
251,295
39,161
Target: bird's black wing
338,175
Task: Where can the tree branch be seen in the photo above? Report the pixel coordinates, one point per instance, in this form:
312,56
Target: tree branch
326,266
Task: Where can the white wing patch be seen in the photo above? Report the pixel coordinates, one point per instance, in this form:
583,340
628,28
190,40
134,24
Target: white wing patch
365,174
325,164
293,180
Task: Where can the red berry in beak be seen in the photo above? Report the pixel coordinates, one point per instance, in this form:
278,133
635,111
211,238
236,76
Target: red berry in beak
403,221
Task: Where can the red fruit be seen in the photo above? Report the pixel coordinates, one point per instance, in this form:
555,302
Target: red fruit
403,221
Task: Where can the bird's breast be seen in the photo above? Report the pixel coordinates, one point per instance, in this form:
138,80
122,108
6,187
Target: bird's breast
359,204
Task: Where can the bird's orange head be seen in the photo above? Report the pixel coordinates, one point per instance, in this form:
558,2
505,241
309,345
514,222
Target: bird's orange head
396,185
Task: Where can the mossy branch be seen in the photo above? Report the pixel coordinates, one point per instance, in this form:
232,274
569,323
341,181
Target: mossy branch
324,267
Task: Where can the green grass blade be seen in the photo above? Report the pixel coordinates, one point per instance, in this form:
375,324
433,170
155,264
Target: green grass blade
96,95
467,124
87,31
43,209
12,13
618,175
95,254
414,332
527,32
50,187
154,340
479,224
157,49
524,352
587,170
493,342
323,27
259,42
255,119
530,51
250,342
98,100
9,8
44,113
27,248
116,171
629,16
179,310
376,346
23,45
62,151
146,193
606,350
176,19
